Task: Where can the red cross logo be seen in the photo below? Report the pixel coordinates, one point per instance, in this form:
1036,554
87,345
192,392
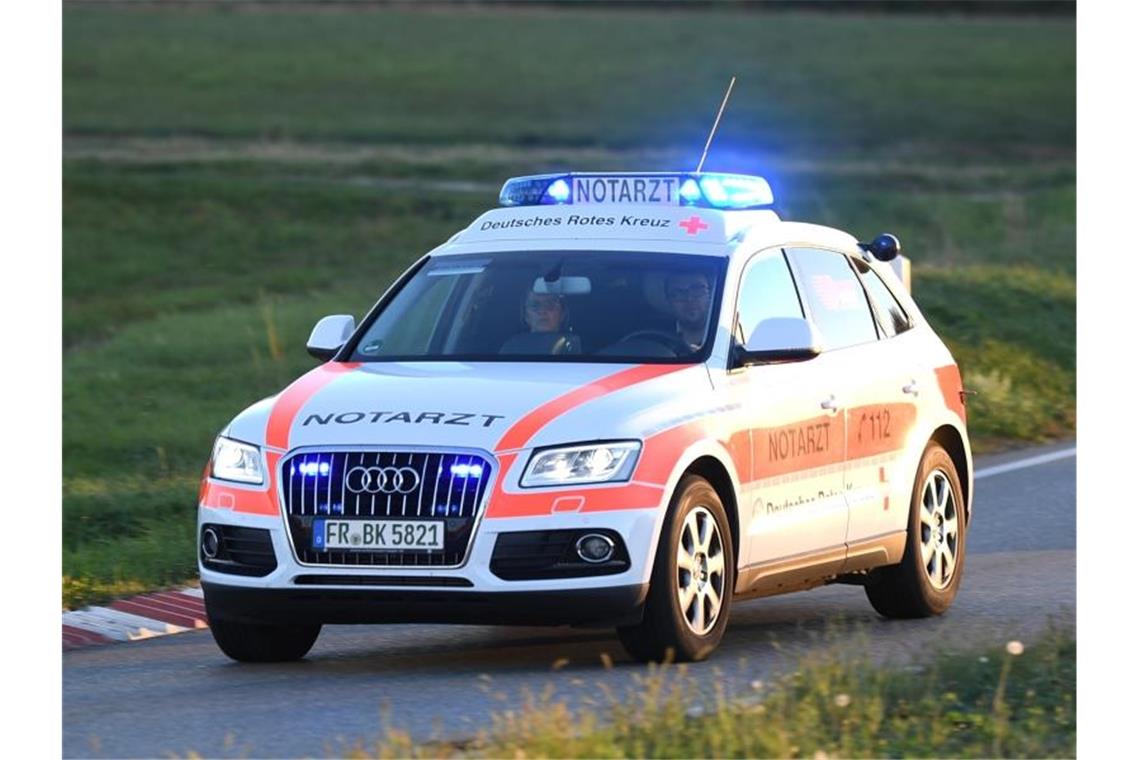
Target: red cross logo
693,225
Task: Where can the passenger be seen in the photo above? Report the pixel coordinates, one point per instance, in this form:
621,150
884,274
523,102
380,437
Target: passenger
545,312
689,295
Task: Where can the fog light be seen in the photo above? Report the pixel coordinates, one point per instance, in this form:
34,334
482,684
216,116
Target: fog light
594,547
210,543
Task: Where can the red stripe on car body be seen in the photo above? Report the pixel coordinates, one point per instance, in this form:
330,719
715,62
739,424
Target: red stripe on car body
290,401
950,381
246,500
878,429
277,429
524,429
541,502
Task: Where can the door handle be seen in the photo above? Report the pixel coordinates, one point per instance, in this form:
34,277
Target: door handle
830,404
911,388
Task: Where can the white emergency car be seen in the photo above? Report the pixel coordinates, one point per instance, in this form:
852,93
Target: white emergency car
625,400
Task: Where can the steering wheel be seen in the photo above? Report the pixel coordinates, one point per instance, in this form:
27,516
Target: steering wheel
673,342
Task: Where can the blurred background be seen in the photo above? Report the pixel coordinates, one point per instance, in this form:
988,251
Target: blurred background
234,171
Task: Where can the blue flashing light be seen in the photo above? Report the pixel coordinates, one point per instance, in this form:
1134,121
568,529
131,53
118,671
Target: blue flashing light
714,191
530,191
690,192
737,191
707,189
559,191
312,468
467,470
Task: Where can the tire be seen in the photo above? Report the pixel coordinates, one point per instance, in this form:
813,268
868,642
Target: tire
249,642
667,632
919,587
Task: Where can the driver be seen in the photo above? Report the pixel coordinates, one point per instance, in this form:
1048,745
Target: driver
688,295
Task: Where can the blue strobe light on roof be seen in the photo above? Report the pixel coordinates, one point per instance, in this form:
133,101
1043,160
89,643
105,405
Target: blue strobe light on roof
559,191
708,190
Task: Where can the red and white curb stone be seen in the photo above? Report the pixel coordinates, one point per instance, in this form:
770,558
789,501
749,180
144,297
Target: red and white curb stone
140,617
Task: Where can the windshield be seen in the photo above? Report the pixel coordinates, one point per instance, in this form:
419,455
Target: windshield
577,306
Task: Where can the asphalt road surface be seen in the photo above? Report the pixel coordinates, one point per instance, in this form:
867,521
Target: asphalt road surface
179,694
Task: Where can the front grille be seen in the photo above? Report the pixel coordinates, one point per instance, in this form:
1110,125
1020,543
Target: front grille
405,485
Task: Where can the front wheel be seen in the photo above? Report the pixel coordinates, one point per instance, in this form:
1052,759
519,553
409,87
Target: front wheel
694,572
926,581
250,642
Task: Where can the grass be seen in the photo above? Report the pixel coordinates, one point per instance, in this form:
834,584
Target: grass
990,703
575,77
230,176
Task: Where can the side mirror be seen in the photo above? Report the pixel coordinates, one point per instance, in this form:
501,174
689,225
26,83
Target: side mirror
329,335
780,339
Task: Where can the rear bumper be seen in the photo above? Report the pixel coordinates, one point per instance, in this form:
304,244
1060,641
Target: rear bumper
607,606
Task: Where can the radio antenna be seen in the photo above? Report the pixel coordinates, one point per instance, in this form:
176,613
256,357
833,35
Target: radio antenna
716,123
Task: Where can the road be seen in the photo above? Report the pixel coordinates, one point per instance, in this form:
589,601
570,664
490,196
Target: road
179,694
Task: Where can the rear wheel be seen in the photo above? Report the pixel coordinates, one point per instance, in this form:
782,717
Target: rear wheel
694,572
926,581
250,642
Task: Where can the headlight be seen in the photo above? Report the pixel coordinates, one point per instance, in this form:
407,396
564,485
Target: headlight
572,465
236,461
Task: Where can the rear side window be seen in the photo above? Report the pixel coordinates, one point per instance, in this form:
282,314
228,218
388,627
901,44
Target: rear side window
835,300
892,318
766,291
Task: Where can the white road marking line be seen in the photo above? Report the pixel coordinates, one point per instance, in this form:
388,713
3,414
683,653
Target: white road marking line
1023,463
191,591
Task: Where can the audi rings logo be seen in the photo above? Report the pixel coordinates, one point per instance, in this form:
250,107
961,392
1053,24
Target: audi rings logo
381,480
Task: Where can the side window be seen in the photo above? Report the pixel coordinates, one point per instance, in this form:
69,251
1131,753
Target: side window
835,299
892,318
766,291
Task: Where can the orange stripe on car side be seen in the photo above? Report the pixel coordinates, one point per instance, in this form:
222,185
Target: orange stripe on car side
878,429
522,431
658,458
950,381
277,428
530,503
801,445
295,396
244,500
660,451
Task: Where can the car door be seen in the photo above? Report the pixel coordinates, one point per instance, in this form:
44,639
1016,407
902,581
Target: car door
797,508
877,388
881,418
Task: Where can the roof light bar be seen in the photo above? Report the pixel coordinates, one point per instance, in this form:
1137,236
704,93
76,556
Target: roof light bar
708,190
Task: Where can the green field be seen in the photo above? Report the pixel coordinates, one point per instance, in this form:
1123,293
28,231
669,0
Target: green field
232,175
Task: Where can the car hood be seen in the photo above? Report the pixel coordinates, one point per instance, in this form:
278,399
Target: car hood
490,406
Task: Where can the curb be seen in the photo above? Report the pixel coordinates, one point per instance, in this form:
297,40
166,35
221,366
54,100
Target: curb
140,617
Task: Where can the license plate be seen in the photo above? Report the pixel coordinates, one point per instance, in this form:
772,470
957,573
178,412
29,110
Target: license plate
377,535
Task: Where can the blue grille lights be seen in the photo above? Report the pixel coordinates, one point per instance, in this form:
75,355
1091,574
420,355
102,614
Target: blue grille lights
708,190
310,468
467,470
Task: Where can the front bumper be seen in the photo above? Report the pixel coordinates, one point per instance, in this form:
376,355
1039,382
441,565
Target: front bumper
606,606
469,593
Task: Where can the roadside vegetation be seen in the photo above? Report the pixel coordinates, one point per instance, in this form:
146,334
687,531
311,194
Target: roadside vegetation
1012,701
230,176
